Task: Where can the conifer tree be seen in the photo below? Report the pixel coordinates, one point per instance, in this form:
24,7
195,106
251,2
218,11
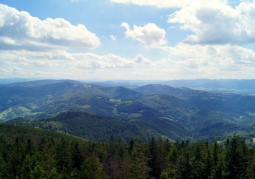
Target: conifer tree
76,155
92,169
236,159
164,175
63,158
2,166
184,170
138,166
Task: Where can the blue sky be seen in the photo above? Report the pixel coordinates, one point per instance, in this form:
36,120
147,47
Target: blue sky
127,39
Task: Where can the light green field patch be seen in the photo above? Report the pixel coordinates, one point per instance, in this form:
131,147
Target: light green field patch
23,109
128,102
33,106
87,86
14,112
251,114
167,118
115,100
85,106
7,114
135,115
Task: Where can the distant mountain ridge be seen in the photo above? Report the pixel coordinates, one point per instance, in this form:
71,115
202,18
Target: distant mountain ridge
200,114
239,86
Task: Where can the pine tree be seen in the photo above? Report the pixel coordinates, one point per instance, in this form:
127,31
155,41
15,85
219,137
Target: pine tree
2,166
92,169
37,173
76,155
139,161
53,174
63,158
29,150
164,175
236,159
184,170
172,161
125,166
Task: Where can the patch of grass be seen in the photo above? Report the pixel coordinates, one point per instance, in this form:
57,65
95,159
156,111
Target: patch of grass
14,112
87,86
135,115
115,100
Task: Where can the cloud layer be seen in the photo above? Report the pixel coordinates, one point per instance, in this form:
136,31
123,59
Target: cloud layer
170,3
220,24
149,35
211,22
214,40
19,30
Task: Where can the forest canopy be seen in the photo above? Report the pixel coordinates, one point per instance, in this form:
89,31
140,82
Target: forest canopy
35,153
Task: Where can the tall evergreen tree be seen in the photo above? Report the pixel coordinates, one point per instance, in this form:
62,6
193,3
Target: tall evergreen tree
92,169
139,161
184,170
63,158
76,155
236,159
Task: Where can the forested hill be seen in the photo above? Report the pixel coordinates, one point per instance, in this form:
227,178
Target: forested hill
155,109
34,153
95,127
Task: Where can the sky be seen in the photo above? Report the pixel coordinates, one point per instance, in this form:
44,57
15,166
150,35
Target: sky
127,39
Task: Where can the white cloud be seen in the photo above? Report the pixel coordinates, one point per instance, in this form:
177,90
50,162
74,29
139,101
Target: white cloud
11,70
208,60
64,59
169,3
19,30
142,60
150,35
90,61
211,22
220,24
113,37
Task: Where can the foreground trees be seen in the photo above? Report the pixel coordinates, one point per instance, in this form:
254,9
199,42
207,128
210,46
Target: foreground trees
63,157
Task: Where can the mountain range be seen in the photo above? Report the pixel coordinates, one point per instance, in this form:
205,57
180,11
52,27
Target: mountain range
95,111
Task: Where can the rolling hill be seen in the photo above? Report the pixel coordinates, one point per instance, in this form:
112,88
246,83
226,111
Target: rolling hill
95,127
161,109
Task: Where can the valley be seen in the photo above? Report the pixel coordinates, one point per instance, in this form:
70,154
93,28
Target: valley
96,111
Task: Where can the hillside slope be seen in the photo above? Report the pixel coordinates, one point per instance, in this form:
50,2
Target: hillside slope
96,127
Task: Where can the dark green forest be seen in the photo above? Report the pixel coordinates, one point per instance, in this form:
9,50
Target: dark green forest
68,129
95,127
35,153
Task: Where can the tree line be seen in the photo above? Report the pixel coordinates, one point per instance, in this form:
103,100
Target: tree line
29,156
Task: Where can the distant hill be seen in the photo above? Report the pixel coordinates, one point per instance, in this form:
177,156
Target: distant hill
96,127
200,114
181,93
238,86
12,80
39,83
169,106
224,85
46,98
